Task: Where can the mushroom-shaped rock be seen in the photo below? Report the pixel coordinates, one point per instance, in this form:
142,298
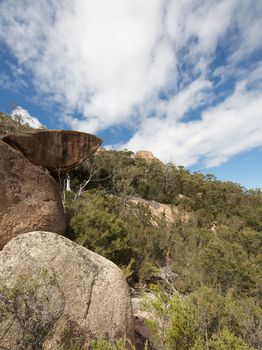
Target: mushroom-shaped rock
56,150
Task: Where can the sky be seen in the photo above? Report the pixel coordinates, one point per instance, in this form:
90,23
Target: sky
182,79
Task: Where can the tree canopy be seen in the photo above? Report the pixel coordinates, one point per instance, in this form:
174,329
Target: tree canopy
213,259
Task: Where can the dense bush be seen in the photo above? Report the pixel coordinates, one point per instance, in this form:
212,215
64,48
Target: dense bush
214,258
196,322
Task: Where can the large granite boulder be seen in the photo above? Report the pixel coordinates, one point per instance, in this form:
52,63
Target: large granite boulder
55,150
29,197
71,292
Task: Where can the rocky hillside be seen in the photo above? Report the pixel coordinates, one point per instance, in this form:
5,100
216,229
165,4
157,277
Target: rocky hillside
190,242
200,239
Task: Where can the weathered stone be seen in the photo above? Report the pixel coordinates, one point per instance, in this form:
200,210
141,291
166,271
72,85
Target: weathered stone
147,155
142,330
29,198
170,213
54,149
84,294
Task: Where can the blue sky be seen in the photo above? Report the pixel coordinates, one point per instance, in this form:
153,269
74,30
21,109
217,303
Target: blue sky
182,79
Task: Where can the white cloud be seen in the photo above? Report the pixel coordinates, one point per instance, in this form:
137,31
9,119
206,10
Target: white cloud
225,130
25,118
101,58
110,60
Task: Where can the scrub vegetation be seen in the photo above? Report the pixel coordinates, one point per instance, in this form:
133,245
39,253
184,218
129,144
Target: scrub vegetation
205,271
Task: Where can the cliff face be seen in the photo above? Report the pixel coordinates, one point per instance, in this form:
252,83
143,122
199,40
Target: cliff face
29,197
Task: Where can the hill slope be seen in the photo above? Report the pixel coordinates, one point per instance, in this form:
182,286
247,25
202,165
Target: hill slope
213,258
210,264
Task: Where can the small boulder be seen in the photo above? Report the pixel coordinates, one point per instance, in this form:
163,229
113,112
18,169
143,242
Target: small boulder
29,197
82,295
143,333
55,150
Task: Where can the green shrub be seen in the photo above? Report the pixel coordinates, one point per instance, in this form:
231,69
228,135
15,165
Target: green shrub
174,323
25,306
121,344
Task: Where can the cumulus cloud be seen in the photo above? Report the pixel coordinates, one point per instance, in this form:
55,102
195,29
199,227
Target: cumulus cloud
25,118
148,65
223,131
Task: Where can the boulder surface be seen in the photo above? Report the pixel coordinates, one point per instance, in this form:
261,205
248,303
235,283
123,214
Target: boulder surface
83,295
147,155
29,197
54,149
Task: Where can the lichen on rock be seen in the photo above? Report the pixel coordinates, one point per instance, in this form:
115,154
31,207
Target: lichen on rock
87,290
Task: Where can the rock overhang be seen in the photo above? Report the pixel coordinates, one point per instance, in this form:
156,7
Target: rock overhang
55,150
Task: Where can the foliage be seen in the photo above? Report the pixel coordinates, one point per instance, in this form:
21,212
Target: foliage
121,174
182,324
98,227
214,256
73,336
101,223
121,344
173,323
25,308
226,265
226,340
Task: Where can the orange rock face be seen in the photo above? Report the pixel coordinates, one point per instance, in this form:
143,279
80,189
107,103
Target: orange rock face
170,213
55,150
29,197
147,155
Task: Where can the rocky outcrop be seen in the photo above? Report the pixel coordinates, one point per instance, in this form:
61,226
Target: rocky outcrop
83,295
29,197
170,213
147,155
54,149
